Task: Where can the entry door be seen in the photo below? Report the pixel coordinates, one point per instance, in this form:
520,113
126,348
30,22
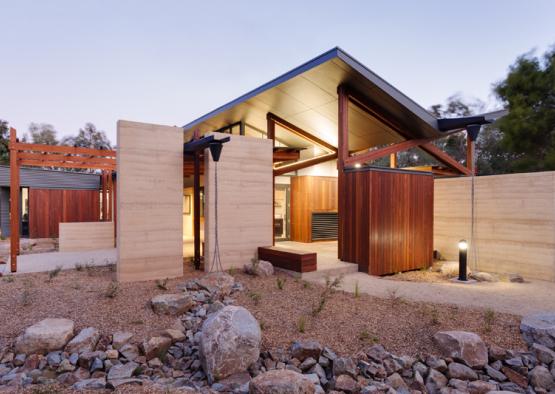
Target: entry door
281,213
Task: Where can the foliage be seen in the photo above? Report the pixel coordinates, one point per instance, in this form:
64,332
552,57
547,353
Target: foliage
329,288
529,129
88,137
53,273
79,267
255,297
357,290
280,282
42,133
112,290
301,324
489,319
162,284
4,140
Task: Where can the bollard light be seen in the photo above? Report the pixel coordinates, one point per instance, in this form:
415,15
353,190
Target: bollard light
463,246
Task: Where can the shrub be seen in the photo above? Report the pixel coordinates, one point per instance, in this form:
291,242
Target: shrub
489,319
280,282
162,284
112,290
79,267
301,324
9,278
329,288
357,290
255,297
53,273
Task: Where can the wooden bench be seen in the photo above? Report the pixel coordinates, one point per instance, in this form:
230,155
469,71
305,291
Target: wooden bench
288,259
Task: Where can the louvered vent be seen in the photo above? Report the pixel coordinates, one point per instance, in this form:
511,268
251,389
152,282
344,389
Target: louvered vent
324,225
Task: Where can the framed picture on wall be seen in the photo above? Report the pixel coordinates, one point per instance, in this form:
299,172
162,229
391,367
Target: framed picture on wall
187,204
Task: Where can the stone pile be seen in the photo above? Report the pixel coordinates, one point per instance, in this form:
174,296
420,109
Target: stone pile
215,347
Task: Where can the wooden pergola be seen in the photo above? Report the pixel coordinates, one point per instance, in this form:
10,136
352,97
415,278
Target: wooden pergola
41,155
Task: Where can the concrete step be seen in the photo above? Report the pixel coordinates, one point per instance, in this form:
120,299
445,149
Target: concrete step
332,270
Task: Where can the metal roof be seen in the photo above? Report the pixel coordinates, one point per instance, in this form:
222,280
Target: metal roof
307,97
51,179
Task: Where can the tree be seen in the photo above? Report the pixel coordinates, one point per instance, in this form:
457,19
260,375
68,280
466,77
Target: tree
42,133
4,140
89,137
528,130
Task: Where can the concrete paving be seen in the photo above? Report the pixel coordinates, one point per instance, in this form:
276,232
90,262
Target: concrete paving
42,262
516,298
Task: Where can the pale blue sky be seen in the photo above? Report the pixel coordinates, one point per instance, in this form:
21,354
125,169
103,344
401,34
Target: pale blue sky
168,62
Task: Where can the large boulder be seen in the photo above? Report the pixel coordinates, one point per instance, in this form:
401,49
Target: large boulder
464,346
45,336
85,341
261,268
281,381
539,328
217,283
229,342
172,304
307,348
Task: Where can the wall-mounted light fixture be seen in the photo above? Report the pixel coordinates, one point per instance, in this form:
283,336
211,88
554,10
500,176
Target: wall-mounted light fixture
463,247
358,165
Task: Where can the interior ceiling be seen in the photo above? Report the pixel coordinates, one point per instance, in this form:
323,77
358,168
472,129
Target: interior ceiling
309,100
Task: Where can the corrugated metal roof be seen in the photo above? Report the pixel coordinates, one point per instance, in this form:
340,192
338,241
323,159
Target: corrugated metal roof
51,179
307,97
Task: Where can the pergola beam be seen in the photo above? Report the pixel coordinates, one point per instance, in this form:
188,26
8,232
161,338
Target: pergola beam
14,202
299,165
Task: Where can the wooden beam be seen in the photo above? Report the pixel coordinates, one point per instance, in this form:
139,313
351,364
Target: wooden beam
270,128
63,158
271,135
64,149
385,151
393,160
343,127
196,210
14,201
36,163
440,155
298,131
286,155
104,186
115,192
299,165
110,195
470,152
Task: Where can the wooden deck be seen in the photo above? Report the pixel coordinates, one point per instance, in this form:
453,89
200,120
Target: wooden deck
291,260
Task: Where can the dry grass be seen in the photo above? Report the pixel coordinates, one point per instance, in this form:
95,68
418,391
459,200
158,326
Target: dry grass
346,323
349,323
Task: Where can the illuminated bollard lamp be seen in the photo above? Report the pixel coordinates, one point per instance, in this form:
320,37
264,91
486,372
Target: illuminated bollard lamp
463,247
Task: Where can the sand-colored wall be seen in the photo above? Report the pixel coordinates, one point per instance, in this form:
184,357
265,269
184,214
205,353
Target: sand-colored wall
80,236
245,177
514,222
149,201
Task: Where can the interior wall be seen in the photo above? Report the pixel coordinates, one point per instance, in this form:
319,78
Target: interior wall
245,183
149,201
328,168
514,222
309,194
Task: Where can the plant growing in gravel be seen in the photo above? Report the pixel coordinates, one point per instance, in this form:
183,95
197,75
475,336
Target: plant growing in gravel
357,290
394,297
53,273
329,288
262,325
435,316
112,290
364,335
137,322
280,282
489,319
255,297
90,268
301,324
8,278
162,284
306,285
79,267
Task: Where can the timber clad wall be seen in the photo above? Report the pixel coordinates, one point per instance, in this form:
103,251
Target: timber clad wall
50,207
310,194
76,237
514,222
149,201
387,223
245,177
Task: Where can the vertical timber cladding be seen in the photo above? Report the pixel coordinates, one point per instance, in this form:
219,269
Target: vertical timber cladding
387,222
245,190
149,201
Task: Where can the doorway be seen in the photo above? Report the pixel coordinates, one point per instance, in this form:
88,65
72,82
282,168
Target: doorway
282,223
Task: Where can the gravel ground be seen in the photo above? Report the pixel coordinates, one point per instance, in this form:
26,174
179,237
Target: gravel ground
419,276
346,323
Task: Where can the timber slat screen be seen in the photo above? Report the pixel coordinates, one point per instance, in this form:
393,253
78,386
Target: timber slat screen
40,155
50,207
388,221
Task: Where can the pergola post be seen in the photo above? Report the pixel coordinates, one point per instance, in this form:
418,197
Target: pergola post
342,155
103,178
271,134
196,208
14,201
393,160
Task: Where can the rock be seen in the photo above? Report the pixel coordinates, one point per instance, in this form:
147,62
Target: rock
172,304
377,353
122,371
303,349
396,381
308,363
217,283
510,386
465,346
481,387
65,366
436,363
129,351
543,353
346,384
461,371
539,328
516,278
116,383
120,338
229,342
515,377
112,354
85,341
435,380
540,377
90,384
281,382
174,335
495,374
234,383
497,352
45,336
344,365
156,347
261,268
484,277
